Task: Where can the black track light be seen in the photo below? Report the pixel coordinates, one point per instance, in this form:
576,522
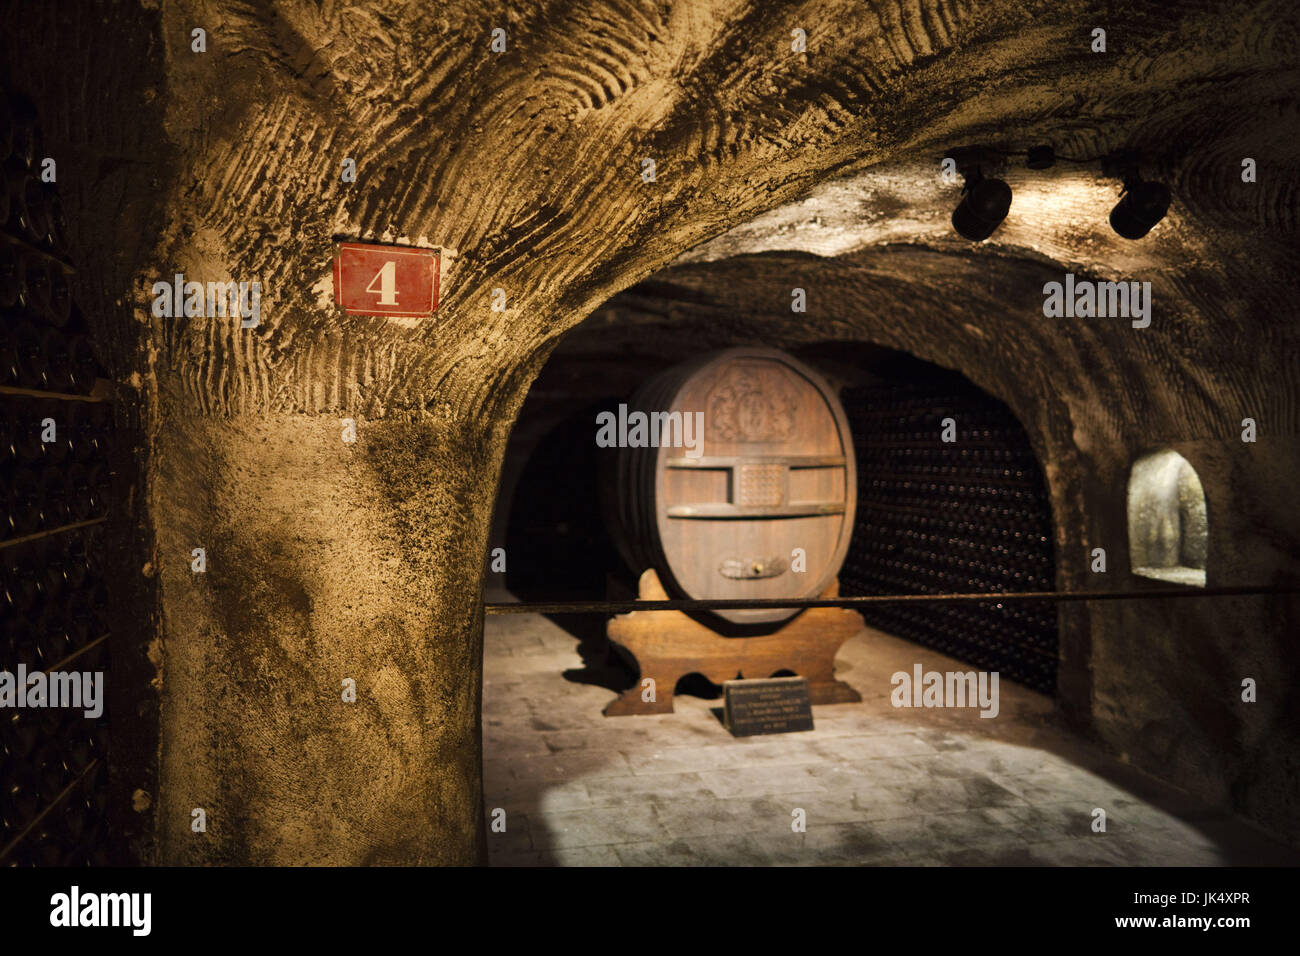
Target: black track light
1142,203
1141,206
984,204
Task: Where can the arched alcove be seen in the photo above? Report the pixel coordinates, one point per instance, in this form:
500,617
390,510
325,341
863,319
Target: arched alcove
548,750
1168,525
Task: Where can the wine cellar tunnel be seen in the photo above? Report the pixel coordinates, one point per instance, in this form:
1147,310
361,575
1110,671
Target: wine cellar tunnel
914,532
275,535
976,521
928,520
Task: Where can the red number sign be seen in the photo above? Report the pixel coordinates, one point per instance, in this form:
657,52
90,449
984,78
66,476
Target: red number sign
385,280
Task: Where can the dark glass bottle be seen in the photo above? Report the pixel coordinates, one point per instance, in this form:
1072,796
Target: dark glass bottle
23,222
24,137
84,368
60,374
13,273
59,312
22,504
56,236
77,493
28,360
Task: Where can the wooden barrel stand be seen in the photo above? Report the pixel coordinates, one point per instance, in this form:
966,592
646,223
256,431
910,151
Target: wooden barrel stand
668,645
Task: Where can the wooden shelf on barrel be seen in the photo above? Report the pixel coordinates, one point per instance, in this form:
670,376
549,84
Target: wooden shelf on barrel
668,645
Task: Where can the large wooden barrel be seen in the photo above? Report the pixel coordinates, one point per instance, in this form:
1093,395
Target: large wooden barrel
775,478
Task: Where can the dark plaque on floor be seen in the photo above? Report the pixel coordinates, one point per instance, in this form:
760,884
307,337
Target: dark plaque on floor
778,705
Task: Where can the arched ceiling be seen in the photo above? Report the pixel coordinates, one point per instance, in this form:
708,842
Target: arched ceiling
525,165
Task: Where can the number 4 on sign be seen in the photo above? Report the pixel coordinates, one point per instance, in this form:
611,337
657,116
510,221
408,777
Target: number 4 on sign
387,281
394,281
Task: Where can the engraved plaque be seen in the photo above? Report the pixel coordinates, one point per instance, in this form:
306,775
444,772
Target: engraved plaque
778,705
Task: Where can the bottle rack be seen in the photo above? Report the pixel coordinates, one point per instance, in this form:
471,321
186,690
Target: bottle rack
57,496
968,516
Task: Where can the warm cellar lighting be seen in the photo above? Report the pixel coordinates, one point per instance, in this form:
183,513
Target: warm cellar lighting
986,202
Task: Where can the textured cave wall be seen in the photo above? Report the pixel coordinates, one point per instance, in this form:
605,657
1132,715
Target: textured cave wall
326,561
329,560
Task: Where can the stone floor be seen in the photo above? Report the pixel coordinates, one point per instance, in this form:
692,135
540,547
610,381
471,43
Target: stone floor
879,785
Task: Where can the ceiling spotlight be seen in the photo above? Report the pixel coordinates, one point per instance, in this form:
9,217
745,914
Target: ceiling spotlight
984,204
1142,204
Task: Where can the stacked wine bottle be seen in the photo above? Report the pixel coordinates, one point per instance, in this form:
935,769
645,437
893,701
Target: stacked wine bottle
55,437
967,516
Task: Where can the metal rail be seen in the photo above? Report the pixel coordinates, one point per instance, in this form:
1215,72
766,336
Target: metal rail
77,653
625,607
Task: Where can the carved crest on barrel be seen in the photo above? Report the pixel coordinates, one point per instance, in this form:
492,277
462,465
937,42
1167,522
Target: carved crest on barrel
754,403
